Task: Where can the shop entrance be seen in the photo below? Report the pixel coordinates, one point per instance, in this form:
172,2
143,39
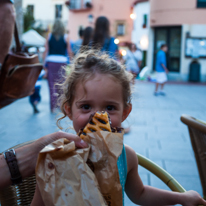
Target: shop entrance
172,37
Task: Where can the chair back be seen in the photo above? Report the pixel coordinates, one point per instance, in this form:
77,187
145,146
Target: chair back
197,131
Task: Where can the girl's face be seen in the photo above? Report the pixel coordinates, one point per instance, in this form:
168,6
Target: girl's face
101,93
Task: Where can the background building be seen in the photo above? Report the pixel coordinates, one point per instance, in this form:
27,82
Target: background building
179,24
46,11
83,13
140,32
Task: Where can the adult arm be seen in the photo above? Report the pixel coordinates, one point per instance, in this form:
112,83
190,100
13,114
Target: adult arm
69,50
165,68
27,156
45,55
7,19
147,195
46,48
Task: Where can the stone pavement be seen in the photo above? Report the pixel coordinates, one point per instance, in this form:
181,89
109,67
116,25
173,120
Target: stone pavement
156,129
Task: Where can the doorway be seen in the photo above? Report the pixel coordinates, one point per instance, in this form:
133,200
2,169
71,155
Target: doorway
172,37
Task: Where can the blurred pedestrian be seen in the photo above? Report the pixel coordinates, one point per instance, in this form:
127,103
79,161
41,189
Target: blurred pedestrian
102,39
57,49
161,70
77,44
133,60
87,36
35,98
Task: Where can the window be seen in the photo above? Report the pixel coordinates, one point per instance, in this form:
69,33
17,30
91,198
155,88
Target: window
172,37
75,4
58,11
30,10
144,21
87,3
120,29
201,3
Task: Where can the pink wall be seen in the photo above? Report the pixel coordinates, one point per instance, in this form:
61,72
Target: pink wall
176,12
114,10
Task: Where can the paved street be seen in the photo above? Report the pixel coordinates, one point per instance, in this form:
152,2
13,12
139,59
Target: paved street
156,129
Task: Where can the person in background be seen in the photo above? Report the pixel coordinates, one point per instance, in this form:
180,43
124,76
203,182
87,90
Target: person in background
77,44
106,87
87,36
161,70
35,98
102,39
25,156
104,42
133,60
56,55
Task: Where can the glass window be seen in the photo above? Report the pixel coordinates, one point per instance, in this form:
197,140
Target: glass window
30,10
120,29
201,3
87,3
58,11
75,4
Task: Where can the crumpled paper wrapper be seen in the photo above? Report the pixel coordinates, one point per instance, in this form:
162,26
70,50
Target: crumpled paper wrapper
105,149
64,178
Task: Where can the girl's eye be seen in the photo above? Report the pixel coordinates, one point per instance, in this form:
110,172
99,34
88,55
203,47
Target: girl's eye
110,107
86,107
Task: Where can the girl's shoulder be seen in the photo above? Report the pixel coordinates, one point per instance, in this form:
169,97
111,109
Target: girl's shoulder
132,160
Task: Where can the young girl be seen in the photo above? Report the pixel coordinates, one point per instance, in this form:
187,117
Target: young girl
99,83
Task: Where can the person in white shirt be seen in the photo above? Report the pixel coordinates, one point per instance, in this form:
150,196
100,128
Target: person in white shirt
133,60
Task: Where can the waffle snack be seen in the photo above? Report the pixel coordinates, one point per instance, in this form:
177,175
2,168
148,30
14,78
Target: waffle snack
99,121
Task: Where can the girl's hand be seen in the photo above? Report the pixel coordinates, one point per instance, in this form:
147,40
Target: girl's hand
192,198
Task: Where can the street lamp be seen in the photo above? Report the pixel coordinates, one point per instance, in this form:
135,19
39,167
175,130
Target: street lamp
144,42
132,16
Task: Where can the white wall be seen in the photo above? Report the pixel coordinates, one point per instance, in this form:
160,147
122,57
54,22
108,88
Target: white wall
44,10
150,49
139,32
195,30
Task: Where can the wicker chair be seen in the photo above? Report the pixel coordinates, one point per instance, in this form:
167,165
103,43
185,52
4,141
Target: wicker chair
22,194
197,131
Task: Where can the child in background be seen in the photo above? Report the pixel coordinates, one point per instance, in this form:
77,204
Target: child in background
99,83
161,70
35,98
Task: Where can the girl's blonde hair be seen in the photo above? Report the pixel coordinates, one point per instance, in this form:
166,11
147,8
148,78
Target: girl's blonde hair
85,65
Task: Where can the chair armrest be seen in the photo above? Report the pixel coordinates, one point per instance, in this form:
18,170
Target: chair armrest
162,174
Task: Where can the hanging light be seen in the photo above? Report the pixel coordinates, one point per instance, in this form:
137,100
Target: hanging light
144,42
132,16
116,41
123,52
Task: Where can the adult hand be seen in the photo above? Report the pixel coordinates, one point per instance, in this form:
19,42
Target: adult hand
29,153
27,156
